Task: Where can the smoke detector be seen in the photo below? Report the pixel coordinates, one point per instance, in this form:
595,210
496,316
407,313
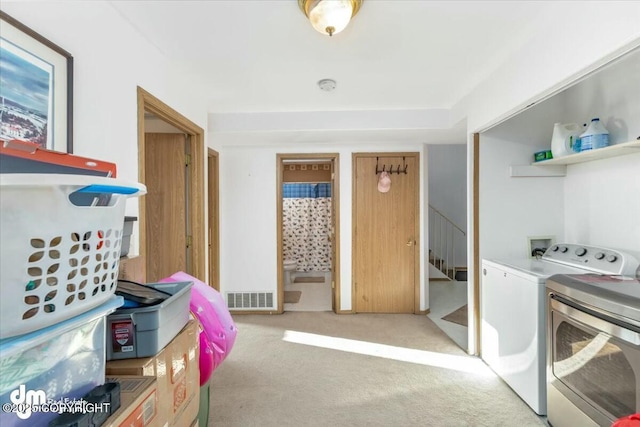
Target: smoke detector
327,85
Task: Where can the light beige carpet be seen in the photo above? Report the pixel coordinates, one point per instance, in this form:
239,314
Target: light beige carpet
459,316
411,374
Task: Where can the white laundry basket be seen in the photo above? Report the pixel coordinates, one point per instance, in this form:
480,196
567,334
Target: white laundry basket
58,259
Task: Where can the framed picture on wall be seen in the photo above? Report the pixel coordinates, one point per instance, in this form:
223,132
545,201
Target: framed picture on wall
36,95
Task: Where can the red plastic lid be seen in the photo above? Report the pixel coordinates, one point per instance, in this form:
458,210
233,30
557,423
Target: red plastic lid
632,420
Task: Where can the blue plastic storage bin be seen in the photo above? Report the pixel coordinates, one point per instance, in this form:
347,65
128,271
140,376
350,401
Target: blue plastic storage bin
66,360
144,331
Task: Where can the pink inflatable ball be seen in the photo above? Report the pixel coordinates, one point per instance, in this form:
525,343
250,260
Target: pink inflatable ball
216,301
208,306
202,310
206,358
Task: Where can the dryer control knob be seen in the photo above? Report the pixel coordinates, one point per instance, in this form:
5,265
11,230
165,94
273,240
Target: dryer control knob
564,249
612,258
555,248
581,251
599,255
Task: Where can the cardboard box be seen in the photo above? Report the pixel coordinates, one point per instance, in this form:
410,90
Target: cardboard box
133,269
177,373
138,403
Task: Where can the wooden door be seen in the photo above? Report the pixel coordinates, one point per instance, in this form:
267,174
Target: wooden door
385,235
166,211
213,213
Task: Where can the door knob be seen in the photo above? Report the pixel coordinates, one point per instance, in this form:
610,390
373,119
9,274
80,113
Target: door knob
410,242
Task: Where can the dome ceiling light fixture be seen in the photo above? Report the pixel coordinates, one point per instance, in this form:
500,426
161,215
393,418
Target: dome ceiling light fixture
330,16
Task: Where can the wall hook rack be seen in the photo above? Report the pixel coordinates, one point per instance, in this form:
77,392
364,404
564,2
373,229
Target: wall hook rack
399,170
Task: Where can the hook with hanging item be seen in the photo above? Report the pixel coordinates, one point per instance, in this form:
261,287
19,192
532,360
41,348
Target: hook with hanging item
399,170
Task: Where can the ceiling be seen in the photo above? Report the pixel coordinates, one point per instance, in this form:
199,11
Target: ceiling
264,56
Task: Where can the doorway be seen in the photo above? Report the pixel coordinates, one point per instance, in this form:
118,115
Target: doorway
171,216
447,233
386,254
308,232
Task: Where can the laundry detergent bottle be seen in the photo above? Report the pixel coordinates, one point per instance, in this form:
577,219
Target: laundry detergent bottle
564,139
595,136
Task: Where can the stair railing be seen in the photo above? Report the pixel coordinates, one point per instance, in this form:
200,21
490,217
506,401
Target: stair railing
443,234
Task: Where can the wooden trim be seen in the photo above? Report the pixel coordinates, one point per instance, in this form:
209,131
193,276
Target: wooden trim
425,312
415,154
279,225
149,103
416,279
213,210
417,237
335,197
354,214
142,203
476,241
335,202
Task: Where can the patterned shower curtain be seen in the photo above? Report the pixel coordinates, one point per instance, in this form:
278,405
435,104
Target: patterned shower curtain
306,225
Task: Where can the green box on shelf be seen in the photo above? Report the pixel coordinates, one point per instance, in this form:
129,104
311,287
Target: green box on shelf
542,155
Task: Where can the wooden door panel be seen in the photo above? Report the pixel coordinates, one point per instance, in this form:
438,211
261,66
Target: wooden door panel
213,215
166,205
385,237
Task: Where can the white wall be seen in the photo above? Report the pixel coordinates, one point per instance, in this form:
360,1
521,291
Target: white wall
602,201
447,171
512,209
248,215
110,60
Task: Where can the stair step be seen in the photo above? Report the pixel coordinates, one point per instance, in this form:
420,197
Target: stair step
461,275
460,272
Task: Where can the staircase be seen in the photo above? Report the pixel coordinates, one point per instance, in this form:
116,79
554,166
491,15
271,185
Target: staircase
447,242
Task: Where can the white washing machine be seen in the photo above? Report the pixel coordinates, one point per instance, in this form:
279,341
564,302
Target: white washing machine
513,312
